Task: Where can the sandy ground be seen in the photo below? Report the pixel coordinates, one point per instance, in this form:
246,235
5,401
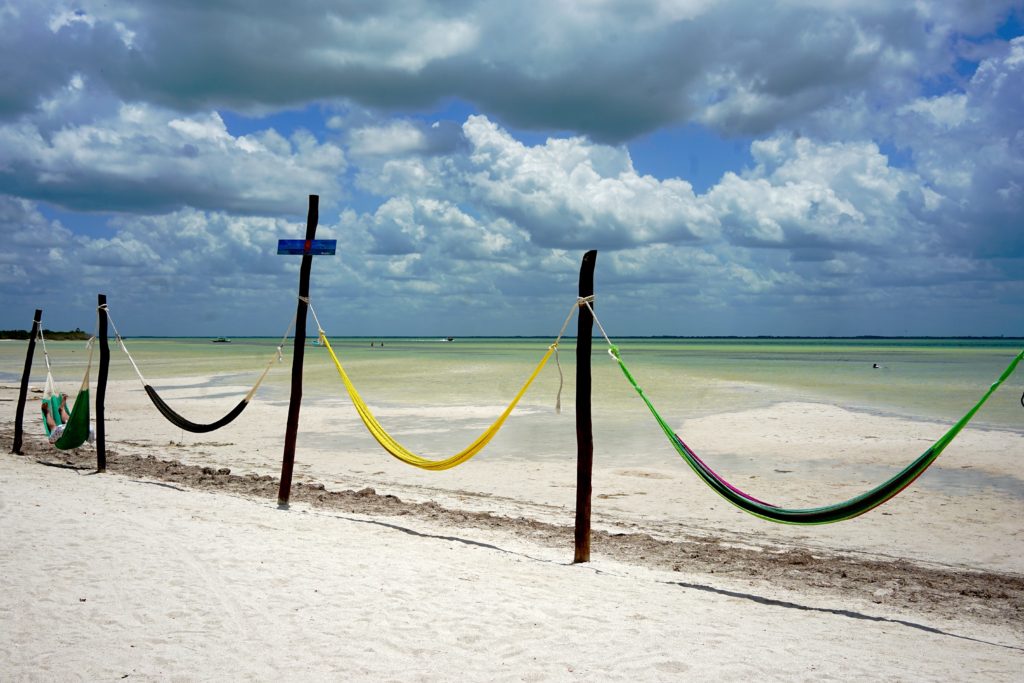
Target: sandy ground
177,564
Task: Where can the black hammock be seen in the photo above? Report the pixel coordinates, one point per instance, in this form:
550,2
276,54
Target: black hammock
186,424
183,422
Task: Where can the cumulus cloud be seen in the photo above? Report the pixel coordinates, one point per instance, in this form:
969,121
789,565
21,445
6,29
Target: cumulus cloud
155,269
397,138
565,192
200,272
806,195
801,195
569,191
33,247
808,223
148,159
969,147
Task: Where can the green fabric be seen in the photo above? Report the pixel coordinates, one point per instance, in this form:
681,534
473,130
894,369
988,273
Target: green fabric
77,430
51,404
849,509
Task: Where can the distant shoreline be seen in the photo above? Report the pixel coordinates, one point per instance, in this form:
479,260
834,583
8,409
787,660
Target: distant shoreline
71,335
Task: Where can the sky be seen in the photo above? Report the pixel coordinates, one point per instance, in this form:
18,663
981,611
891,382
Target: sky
743,167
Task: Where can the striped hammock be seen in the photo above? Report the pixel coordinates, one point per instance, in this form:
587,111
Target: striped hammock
827,514
76,430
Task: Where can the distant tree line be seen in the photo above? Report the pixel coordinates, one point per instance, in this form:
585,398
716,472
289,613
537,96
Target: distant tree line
74,335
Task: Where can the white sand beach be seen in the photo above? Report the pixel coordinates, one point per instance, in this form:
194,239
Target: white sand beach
142,573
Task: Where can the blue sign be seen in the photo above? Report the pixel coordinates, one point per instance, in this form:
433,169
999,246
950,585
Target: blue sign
304,247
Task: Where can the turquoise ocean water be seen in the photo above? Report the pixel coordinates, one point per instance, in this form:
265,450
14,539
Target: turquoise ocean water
916,378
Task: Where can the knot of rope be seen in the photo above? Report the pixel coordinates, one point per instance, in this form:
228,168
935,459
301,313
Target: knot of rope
102,307
304,299
584,300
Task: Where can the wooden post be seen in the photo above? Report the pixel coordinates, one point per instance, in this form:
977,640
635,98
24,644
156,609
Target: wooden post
288,460
584,430
19,414
101,385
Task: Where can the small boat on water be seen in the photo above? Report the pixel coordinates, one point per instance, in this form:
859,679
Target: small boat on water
221,340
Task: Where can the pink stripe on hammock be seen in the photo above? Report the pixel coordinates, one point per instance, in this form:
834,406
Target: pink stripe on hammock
714,474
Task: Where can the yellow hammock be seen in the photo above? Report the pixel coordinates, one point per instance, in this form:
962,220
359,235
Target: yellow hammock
401,452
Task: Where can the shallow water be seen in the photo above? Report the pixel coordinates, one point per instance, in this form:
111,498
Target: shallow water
414,385
921,379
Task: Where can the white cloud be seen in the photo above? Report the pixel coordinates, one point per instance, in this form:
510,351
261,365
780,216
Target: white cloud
396,138
442,231
806,194
969,147
145,158
158,271
68,18
946,111
570,190
810,221
567,191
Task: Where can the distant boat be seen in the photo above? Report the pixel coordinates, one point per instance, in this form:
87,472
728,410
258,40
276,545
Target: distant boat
448,339
221,340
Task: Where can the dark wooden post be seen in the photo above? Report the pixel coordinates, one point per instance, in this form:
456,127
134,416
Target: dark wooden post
19,413
101,386
288,460
584,428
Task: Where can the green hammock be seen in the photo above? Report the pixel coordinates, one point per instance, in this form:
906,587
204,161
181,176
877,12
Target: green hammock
76,431
849,509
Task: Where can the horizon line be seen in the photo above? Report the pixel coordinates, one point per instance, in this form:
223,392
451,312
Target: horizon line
428,337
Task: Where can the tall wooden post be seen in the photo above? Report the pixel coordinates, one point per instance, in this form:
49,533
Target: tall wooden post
288,460
19,414
101,385
584,428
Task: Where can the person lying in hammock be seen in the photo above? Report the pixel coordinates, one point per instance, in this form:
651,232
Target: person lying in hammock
57,429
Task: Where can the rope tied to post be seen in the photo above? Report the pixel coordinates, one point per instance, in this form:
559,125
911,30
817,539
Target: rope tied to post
580,302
